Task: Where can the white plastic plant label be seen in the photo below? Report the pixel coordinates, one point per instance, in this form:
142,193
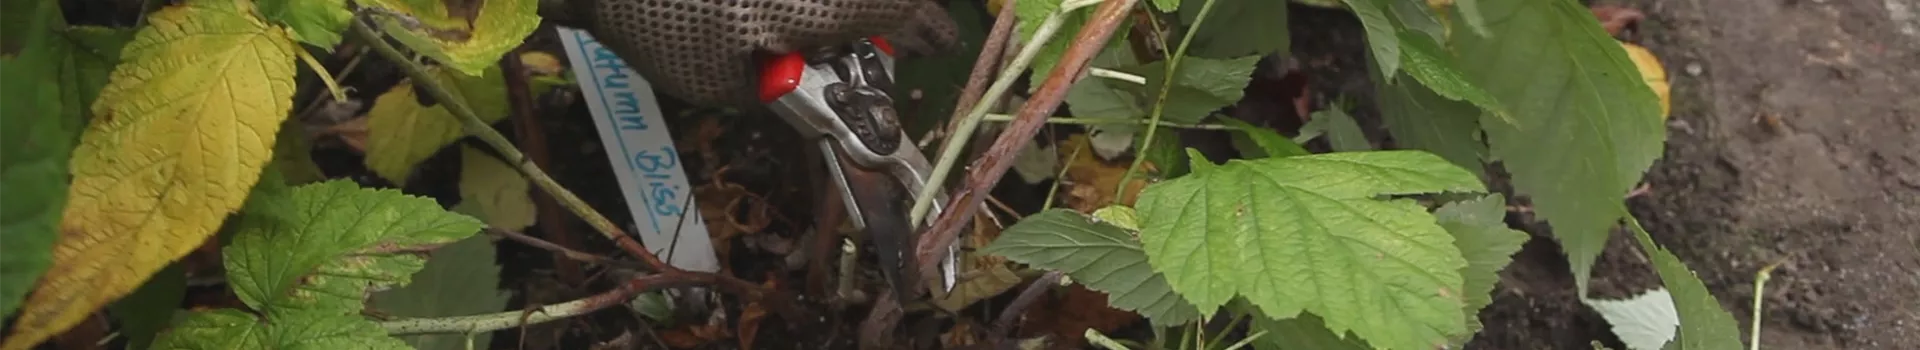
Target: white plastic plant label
641,150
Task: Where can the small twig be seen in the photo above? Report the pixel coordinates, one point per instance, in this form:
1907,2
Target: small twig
1759,294
510,319
1116,75
987,171
1111,121
563,252
1012,312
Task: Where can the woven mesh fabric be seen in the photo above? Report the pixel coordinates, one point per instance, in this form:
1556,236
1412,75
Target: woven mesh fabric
704,51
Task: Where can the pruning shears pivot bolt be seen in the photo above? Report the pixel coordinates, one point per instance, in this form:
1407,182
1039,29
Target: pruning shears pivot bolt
838,97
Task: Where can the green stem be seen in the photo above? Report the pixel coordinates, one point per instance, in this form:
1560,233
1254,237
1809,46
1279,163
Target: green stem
1160,102
1002,118
1759,293
478,128
950,150
1218,337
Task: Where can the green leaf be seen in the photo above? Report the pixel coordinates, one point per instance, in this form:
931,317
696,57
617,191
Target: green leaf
1420,119
1480,231
1382,36
1703,324
1201,86
1342,132
1167,5
36,137
1416,16
461,279
1198,162
1434,67
1096,97
1101,256
316,22
1256,142
401,132
1309,234
1305,332
150,308
293,155
1643,322
1582,116
1236,28
235,329
470,45
1166,153
327,244
1033,13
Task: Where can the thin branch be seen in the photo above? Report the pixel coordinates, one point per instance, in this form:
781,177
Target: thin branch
480,129
1160,103
562,251
1012,313
985,64
1117,75
511,319
987,171
1111,121
527,129
950,150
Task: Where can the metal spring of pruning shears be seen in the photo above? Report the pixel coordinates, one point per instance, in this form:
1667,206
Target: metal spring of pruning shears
838,96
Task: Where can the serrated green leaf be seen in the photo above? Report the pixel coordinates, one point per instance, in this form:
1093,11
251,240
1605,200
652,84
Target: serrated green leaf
1382,37
461,279
148,310
401,133
1236,28
336,243
472,47
1166,154
235,329
1480,231
1308,234
316,22
36,137
1704,325
1256,142
1119,216
1582,116
1420,119
1434,67
1201,86
1101,256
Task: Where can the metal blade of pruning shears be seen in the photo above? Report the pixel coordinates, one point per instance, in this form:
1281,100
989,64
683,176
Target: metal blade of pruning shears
838,98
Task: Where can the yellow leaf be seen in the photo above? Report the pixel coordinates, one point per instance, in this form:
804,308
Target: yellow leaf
181,133
458,37
1654,74
499,192
401,133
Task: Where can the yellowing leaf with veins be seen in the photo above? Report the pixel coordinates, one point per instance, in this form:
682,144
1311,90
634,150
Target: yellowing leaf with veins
498,192
179,137
447,35
401,133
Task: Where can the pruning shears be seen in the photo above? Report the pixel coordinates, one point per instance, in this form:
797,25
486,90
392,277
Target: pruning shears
837,97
